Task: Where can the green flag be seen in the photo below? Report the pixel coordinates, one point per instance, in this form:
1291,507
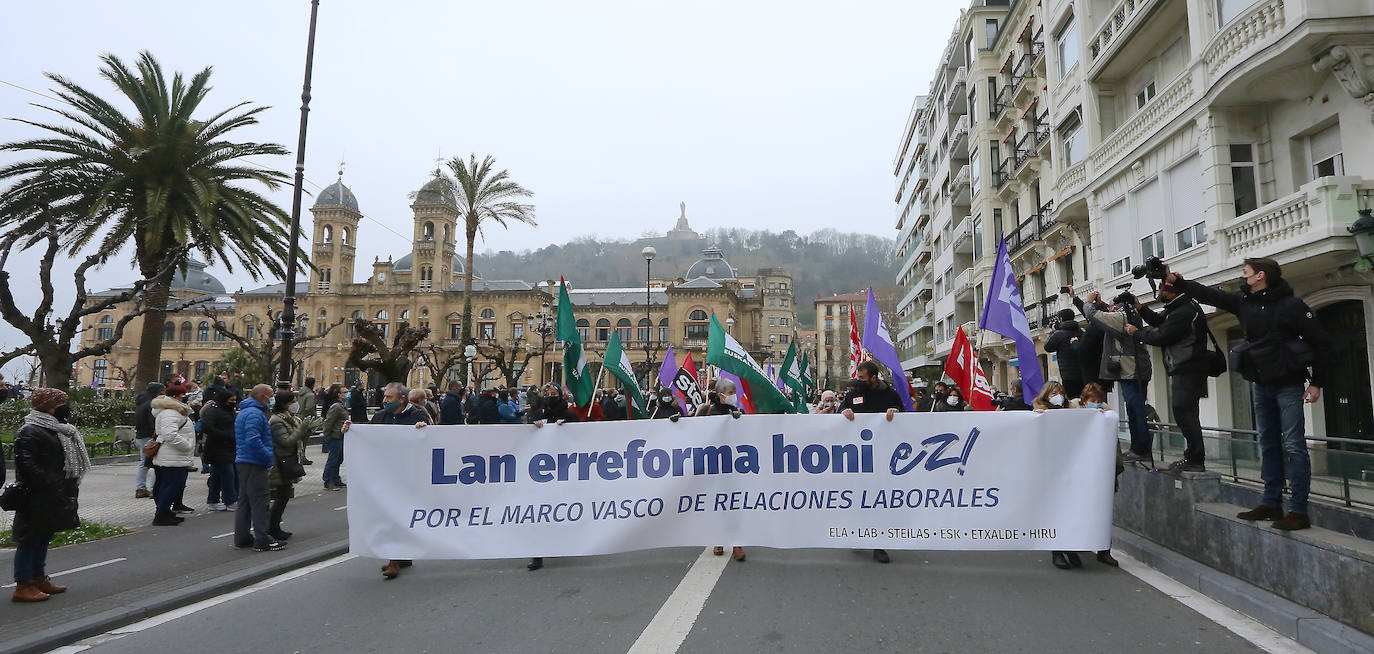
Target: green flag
790,374
577,373
807,380
724,352
618,363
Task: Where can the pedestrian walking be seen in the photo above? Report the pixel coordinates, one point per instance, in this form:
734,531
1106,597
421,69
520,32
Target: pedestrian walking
143,433
870,394
217,421
175,457
332,436
288,434
50,460
254,454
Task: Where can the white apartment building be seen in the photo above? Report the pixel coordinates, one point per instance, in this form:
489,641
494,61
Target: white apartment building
1200,131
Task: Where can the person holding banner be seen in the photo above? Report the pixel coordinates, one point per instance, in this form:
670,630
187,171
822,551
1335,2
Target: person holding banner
1052,396
397,410
667,406
871,395
722,402
557,409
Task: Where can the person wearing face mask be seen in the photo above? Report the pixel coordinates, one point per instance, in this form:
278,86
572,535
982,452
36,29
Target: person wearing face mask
1181,331
555,408
938,397
666,406
1066,344
722,402
176,435
1126,362
954,401
870,394
828,403
1285,357
288,432
1053,397
49,462
217,421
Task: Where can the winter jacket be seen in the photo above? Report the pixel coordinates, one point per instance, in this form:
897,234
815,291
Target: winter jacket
357,405
556,408
409,416
717,409
50,504
869,399
1277,324
217,423
611,410
306,398
486,413
253,435
451,409
666,409
176,430
534,406
1066,343
143,418
944,405
1123,357
288,432
333,422
433,410
509,412
1182,333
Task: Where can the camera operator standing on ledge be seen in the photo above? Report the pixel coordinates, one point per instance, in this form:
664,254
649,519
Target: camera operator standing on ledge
1181,332
1125,361
1282,340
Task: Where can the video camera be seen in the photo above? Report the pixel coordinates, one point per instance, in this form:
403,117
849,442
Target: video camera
1153,268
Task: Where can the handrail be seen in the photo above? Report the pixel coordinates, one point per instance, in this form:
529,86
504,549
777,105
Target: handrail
1252,432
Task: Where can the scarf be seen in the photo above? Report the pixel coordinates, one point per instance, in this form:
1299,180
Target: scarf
77,462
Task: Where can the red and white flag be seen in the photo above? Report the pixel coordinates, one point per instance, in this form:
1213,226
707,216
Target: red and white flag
856,346
962,367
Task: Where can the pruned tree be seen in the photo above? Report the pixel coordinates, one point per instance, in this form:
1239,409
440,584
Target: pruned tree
263,350
504,356
370,350
438,360
51,339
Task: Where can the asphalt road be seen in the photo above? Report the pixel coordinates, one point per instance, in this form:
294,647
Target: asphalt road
777,601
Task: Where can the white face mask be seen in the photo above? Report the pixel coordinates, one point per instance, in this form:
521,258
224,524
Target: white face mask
729,399
1057,399
953,400
295,407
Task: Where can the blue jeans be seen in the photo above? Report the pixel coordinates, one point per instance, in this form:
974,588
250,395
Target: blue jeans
1133,392
31,559
331,465
141,477
224,484
1283,448
170,484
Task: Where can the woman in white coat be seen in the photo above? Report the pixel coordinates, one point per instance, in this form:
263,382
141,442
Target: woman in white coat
176,437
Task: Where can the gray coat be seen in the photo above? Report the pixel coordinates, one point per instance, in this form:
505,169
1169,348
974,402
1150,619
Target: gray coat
1124,357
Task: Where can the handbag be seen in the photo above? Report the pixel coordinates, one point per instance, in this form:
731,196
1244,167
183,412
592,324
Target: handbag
290,468
1216,358
151,447
13,496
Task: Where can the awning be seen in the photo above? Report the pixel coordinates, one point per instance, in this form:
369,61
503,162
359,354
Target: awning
1035,100
1038,267
1007,64
1061,253
1009,135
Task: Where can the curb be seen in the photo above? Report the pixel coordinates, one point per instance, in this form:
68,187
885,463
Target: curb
87,626
1309,628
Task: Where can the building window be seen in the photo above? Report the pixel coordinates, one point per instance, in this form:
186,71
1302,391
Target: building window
1121,266
169,331
1192,236
829,324
782,321
202,370
782,338
829,338
772,322
488,314
663,330
829,309
992,97
645,325
427,233
772,302
622,328
486,330
603,330
383,315
969,50
990,31
186,331
977,237
1324,152
203,332
782,285
105,320
1244,180
104,333
1145,95
328,234
219,335
783,301
1227,10
249,331
584,329
976,177
1067,44
517,330
973,105
697,326
405,314
997,224
1072,140
345,233
1152,246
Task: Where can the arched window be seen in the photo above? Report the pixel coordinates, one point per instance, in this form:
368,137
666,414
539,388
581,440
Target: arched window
405,314
663,329
105,320
488,314
584,329
642,333
603,330
203,332
346,233
357,314
186,331
169,331
328,234
622,327
427,233
383,315
424,312
202,370
697,326
219,336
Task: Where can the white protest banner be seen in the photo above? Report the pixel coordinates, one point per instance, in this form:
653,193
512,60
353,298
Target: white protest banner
943,481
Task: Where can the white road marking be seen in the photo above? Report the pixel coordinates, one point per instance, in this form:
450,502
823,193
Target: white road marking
115,634
80,569
222,536
675,618
1238,623
341,508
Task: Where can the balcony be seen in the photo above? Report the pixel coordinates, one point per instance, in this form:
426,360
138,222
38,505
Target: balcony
1037,47
1174,98
956,102
1312,221
1071,181
923,287
959,186
1003,101
962,238
1044,221
1023,76
1122,19
1002,174
958,139
963,286
1025,150
1042,130
1023,235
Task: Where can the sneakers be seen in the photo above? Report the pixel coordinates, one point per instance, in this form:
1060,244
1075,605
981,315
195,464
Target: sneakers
1184,465
274,546
1293,522
142,494
1261,512
231,507
166,522
182,508
215,506
332,487
1144,460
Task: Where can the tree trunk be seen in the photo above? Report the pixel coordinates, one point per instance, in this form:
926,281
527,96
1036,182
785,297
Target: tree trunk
471,233
57,369
155,296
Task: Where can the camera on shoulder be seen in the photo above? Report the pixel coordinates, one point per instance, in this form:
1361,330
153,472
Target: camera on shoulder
1153,268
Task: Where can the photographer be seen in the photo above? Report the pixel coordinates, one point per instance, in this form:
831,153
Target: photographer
1282,340
1066,343
1181,332
1126,362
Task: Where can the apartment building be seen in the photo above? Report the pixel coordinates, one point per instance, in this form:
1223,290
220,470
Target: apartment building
1199,131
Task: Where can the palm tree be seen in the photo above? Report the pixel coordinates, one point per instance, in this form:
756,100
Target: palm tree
484,196
158,177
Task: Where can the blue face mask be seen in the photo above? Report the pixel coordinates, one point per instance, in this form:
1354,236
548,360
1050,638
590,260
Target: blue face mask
390,406
1092,405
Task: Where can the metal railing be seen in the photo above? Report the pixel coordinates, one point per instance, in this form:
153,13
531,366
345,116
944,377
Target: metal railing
1342,468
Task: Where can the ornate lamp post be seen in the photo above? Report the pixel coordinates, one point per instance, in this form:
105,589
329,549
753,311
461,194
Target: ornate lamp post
469,356
542,323
648,253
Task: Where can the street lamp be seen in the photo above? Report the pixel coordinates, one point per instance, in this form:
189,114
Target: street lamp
1363,230
470,355
648,253
542,323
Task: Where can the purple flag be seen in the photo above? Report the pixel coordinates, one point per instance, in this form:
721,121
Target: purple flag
667,372
1004,314
878,342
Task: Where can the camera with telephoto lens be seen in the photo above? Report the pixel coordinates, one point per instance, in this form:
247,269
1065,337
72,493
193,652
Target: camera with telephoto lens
1153,268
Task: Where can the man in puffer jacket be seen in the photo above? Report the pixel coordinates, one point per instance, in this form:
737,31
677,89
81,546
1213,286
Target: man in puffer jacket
253,441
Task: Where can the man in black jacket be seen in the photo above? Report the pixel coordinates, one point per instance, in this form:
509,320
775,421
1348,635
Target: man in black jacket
1066,343
1182,332
870,394
1282,340
144,432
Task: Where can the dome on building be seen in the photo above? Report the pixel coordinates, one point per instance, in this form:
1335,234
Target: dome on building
337,195
406,264
711,265
436,191
195,278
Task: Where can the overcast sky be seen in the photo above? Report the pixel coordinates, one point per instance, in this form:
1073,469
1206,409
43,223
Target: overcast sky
760,114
